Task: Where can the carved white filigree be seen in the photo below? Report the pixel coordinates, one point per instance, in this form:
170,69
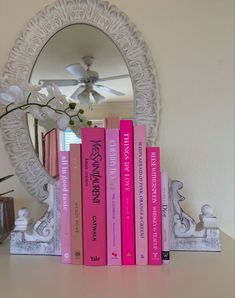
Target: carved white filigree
116,25
185,234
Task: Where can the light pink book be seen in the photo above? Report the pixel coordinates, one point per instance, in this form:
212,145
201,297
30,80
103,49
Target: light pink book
154,206
76,203
141,232
93,196
114,256
165,219
127,192
64,182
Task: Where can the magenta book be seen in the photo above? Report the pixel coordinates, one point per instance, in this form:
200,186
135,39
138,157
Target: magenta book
113,197
64,181
154,206
93,196
76,203
141,232
165,219
127,192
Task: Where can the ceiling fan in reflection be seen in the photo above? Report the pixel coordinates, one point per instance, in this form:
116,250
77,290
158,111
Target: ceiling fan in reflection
88,81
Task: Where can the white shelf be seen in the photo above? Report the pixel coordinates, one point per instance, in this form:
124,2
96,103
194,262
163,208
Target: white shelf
190,275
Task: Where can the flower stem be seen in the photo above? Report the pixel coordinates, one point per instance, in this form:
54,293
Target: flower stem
9,106
28,97
50,100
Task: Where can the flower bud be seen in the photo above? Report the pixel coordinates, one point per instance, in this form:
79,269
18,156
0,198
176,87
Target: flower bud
71,122
89,123
72,105
81,111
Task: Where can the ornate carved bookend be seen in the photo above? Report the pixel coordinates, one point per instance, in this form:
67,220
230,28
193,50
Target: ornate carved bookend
185,234
41,238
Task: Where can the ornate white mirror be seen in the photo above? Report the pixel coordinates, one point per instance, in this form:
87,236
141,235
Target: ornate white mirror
31,60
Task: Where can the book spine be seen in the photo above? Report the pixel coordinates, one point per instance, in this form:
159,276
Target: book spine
93,195
76,204
64,178
165,219
141,232
113,197
127,192
154,206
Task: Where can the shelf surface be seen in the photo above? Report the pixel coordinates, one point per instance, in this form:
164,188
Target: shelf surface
190,274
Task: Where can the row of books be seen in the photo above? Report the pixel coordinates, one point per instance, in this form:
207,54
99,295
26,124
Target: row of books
114,199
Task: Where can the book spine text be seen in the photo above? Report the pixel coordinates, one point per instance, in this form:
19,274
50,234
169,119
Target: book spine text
154,206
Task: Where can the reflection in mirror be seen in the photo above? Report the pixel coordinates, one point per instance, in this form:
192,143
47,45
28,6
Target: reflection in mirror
90,70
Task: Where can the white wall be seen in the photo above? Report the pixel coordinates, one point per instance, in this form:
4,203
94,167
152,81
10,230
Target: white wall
192,45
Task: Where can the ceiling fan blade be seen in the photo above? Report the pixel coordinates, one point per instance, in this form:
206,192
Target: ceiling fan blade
109,90
61,83
84,99
77,92
97,97
113,78
78,71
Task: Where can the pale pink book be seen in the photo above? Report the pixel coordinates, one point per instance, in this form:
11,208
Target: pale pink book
127,192
141,232
165,219
94,196
113,197
154,206
76,203
64,182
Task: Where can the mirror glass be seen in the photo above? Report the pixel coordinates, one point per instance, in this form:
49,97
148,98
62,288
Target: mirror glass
89,69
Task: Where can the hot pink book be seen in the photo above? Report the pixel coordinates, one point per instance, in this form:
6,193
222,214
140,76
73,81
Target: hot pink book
154,206
64,179
93,195
165,219
113,197
127,192
76,203
141,232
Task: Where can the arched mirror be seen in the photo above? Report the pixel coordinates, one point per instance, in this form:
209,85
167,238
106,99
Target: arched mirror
85,42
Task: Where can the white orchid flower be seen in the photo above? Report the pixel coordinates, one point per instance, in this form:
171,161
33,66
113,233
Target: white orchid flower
12,94
20,113
6,98
51,110
51,113
54,91
17,94
33,90
63,122
37,112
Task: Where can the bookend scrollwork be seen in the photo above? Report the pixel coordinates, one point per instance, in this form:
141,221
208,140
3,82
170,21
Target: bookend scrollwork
185,233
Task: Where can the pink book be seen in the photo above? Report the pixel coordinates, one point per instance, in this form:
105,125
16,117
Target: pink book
141,232
64,179
93,196
127,192
113,197
76,203
154,206
165,219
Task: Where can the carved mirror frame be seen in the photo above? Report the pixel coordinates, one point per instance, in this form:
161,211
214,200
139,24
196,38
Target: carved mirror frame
43,237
